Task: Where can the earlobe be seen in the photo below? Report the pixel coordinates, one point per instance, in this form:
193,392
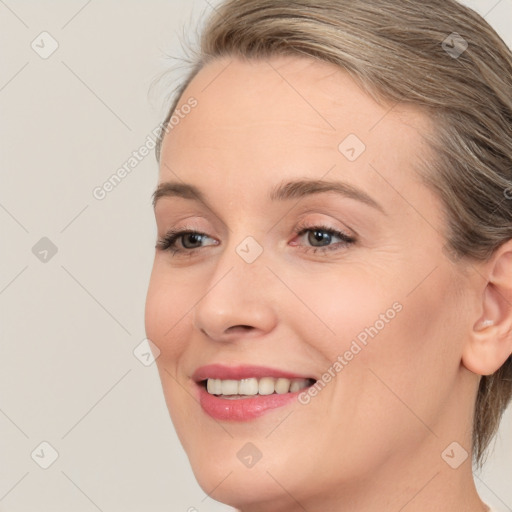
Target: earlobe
490,338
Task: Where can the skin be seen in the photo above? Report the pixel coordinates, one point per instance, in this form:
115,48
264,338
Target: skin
372,439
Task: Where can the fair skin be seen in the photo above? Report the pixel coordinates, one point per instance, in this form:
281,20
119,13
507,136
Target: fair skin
372,439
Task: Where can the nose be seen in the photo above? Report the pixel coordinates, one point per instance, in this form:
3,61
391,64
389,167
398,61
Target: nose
238,301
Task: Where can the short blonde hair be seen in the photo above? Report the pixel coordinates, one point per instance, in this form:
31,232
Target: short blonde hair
408,51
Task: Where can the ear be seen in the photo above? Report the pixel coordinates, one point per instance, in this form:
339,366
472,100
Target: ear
490,341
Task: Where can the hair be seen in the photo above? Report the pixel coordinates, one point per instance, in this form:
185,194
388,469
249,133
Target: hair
398,51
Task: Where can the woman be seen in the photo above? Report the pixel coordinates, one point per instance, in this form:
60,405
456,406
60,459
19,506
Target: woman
331,295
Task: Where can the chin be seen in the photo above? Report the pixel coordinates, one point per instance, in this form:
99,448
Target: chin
224,470
240,488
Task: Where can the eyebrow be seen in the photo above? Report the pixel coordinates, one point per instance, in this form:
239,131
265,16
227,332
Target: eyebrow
282,192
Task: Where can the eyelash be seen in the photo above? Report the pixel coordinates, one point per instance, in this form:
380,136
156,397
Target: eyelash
167,243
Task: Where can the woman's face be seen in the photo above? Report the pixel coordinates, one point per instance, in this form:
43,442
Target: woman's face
377,309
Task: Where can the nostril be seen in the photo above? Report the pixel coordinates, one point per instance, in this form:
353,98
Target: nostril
246,327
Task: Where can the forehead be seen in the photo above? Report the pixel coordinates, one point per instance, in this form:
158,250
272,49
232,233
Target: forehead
316,94
258,122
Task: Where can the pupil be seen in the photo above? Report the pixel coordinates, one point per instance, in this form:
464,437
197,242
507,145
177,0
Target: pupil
191,236
320,236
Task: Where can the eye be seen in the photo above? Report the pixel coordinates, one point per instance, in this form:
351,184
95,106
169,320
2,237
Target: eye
189,239
323,235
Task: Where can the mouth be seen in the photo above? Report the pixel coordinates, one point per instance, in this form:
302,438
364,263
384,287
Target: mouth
231,389
244,393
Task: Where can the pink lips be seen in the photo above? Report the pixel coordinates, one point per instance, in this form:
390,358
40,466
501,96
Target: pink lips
243,409
219,371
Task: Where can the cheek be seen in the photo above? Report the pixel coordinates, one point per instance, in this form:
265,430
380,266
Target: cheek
400,353
166,326
346,310
406,372
167,305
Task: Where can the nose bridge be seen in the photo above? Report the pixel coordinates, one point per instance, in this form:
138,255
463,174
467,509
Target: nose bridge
238,291
244,256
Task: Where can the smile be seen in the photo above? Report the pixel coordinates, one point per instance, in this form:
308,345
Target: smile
236,389
243,393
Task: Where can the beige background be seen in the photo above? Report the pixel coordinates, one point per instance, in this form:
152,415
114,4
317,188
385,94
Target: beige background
69,324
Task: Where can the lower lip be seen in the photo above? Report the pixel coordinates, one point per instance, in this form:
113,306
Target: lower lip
242,409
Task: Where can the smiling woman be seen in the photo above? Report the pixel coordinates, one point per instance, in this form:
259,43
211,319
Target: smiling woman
331,292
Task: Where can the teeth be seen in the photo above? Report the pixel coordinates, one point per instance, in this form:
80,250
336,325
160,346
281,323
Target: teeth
214,386
266,386
248,387
253,386
295,386
282,386
229,387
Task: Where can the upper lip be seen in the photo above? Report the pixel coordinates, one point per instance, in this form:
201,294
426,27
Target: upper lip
219,371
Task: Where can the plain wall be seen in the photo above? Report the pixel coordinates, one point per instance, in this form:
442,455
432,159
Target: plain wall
70,321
